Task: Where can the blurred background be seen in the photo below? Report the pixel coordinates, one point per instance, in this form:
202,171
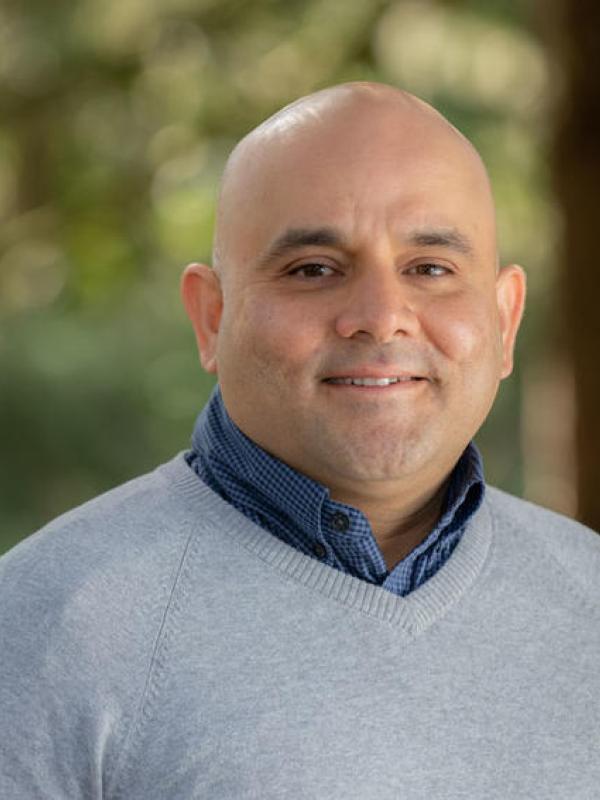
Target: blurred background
116,117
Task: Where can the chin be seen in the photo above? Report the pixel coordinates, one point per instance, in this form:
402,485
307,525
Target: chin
388,462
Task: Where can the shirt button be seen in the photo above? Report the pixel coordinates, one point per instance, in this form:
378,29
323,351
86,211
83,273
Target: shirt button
340,522
319,550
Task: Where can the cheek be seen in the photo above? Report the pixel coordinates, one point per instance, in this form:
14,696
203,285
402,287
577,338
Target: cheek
268,334
466,332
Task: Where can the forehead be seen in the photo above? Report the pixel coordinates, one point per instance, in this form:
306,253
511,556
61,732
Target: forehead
358,178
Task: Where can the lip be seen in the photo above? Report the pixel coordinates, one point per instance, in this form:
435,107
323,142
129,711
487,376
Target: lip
411,384
376,374
399,386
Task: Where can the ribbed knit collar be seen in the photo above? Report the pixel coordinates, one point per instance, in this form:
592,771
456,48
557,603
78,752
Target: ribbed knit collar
299,510
209,514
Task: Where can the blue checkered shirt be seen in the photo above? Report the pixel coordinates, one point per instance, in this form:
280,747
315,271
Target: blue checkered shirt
300,512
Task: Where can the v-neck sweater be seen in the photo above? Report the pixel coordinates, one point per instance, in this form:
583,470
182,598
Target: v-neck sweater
158,644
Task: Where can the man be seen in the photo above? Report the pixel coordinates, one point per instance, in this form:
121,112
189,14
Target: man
321,599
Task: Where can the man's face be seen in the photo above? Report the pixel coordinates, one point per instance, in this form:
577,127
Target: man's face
364,328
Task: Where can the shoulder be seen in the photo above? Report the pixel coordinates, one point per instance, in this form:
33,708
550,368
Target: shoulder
133,526
573,548
93,585
82,605
121,550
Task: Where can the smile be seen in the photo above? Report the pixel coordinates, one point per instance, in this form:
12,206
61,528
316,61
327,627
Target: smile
373,381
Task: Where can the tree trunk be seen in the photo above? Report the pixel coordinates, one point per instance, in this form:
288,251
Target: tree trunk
577,177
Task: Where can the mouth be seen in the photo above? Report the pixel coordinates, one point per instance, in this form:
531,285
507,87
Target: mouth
391,380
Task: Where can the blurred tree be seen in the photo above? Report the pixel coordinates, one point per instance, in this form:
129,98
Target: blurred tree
576,40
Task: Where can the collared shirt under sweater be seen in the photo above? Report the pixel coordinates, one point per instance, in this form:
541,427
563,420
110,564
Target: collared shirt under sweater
301,513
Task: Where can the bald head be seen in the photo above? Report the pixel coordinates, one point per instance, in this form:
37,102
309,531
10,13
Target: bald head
355,120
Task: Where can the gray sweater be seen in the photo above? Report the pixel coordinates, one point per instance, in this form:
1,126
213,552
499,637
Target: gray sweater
154,643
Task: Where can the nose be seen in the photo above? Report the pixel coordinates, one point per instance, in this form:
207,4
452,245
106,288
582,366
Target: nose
377,307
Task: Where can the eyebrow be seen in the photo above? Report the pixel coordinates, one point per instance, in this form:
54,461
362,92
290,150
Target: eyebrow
442,237
294,238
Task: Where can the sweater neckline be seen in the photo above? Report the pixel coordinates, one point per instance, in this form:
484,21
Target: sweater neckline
414,612
300,511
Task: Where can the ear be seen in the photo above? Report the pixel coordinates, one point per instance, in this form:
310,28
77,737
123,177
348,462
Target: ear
510,294
203,300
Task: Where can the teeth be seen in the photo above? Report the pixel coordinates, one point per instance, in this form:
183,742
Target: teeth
369,381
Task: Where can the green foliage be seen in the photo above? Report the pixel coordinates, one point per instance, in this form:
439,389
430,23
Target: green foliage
117,116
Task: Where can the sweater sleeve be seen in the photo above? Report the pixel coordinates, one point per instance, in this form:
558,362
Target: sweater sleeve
81,608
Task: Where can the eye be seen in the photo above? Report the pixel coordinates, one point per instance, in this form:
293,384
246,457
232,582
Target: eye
313,271
430,270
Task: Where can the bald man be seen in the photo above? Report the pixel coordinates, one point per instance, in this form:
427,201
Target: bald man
321,598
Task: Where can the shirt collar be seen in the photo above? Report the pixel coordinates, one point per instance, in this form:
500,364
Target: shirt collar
264,479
